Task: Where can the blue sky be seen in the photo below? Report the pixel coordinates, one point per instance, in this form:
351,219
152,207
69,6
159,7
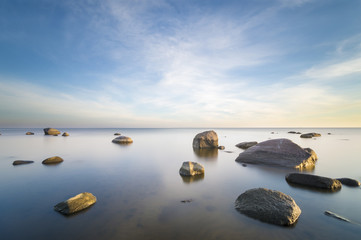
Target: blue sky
108,63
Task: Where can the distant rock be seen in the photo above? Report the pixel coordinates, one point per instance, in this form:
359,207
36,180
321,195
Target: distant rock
268,206
314,181
29,133
298,133
207,139
293,132
65,134
310,135
191,169
20,162
349,182
76,204
53,160
221,147
117,134
122,140
329,133
279,152
187,201
245,145
51,131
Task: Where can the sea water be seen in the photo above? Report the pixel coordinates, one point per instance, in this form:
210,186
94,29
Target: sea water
140,192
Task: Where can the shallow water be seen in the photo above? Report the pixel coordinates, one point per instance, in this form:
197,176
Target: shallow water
139,189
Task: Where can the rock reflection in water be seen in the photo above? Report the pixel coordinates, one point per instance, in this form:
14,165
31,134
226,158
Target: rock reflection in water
211,154
190,179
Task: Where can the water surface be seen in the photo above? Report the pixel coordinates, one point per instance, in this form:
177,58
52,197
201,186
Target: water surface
139,189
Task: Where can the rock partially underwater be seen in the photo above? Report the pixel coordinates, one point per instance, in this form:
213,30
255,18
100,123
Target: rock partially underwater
76,204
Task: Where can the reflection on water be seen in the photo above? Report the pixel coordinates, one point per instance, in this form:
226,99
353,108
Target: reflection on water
209,154
139,190
190,179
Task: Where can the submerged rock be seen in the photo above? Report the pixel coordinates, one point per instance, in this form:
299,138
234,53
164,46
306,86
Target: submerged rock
245,145
29,133
314,181
310,135
349,182
191,169
207,139
51,131
268,206
19,162
334,215
65,134
117,134
53,160
293,132
76,204
122,140
279,152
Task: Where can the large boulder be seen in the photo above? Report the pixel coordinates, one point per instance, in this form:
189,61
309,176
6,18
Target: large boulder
51,131
207,139
122,140
20,162
314,181
191,169
76,204
268,206
245,145
53,160
279,152
349,182
310,135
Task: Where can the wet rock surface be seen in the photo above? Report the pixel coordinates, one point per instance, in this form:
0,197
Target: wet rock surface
314,181
268,206
279,152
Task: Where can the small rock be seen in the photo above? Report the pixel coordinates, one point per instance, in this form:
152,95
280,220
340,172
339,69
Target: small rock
191,169
117,134
122,140
245,145
221,147
268,206
65,134
187,201
228,151
244,165
310,135
19,162
329,133
51,131
331,214
349,182
293,132
76,204
29,133
314,181
53,160
298,133
207,139
272,132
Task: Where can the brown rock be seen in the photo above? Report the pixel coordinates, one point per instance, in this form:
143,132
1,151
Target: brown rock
76,204
53,160
314,181
207,139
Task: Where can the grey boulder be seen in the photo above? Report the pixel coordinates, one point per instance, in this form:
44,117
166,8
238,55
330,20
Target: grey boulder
20,162
76,203
207,139
51,131
349,182
314,181
279,152
245,145
191,169
268,206
310,135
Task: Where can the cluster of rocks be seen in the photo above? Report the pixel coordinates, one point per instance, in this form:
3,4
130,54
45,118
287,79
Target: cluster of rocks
50,160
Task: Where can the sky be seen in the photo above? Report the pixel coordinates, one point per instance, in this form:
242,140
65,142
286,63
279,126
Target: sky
173,63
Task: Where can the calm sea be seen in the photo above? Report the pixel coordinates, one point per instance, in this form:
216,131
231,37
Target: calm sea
139,189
